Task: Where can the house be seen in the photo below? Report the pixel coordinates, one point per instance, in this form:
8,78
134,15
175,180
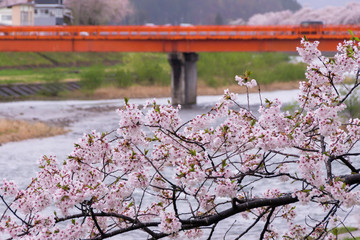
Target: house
16,13
49,12
34,12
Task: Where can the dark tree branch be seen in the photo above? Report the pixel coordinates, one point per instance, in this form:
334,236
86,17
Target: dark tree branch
93,217
238,207
131,228
212,231
250,204
349,165
14,213
351,179
268,220
253,224
350,92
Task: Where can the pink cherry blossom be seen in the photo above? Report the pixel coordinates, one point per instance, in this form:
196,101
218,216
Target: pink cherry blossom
165,177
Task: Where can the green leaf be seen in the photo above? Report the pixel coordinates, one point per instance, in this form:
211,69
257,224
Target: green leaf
192,152
253,122
332,60
252,139
73,221
133,154
126,100
248,73
353,36
305,38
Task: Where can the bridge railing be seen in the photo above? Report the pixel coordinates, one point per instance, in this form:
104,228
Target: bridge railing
176,32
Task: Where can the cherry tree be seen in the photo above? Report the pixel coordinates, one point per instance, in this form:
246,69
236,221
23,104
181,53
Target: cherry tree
97,12
158,176
349,14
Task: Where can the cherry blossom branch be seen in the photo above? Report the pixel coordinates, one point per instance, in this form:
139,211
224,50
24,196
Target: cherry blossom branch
8,207
248,205
96,223
349,92
253,224
349,165
268,219
212,231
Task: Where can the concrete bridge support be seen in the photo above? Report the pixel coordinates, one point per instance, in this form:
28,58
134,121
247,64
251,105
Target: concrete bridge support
183,77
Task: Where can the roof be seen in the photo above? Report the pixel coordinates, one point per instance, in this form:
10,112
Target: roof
47,2
10,3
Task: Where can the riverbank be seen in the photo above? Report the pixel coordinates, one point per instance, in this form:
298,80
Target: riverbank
12,130
127,69
21,126
165,91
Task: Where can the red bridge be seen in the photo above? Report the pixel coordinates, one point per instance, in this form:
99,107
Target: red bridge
169,38
180,42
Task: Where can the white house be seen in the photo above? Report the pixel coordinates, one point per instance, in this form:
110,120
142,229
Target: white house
49,12
16,13
33,12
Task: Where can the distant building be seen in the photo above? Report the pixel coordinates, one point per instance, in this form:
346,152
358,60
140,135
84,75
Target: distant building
34,12
49,12
16,13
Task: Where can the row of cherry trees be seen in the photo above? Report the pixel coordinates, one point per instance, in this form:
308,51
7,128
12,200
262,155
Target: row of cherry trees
159,176
98,12
349,14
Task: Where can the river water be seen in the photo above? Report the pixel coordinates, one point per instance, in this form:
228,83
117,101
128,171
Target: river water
18,159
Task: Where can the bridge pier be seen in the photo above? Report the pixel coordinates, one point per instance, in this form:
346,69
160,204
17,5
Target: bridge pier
183,77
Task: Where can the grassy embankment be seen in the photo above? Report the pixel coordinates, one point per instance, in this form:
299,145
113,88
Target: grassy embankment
117,75
17,130
104,72
341,231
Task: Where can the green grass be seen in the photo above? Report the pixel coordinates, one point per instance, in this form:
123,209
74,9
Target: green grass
342,230
92,78
89,58
10,76
140,68
126,69
149,69
218,69
17,59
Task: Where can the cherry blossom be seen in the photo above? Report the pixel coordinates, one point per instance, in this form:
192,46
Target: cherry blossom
330,15
96,12
162,177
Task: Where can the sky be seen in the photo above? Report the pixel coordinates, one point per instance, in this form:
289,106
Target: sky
324,3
